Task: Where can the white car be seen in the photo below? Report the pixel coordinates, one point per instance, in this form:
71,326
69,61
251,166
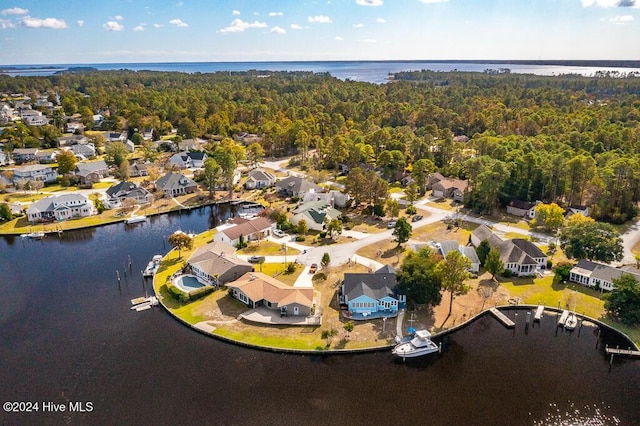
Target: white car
279,233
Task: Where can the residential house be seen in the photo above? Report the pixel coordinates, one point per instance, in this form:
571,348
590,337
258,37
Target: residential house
115,136
147,134
173,184
138,169
196,144
316,214
71,140
73,126
469,252
187,160
118,193
247,138
36,120
599,275
520,256
372,295
522,208
450,188
127,143
4,158
24,155
217,263
249,229
576,209
259,178
83,151
47,156
256,289
60,207
39,172
295,186
91,172
332,197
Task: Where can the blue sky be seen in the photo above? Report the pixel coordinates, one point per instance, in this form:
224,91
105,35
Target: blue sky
104,31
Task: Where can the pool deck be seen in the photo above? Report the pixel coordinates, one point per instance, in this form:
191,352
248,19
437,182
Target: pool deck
264,315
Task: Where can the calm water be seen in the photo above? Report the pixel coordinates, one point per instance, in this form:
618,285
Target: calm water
67,334
369,71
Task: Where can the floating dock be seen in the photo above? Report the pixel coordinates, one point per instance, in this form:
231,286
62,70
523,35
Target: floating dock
616,351
539,313
502,318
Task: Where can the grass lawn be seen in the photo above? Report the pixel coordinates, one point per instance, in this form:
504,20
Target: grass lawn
278,271
21,197
386,252
512,235
445,204
268,248
438,232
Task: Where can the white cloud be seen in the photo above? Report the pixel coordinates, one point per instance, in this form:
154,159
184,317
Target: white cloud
358,25
118,18
621,20
276,13
320,19
238,26
113,26
369,2
278,30
381,20
295,27
158,25
180,3
338,38
52,23
6,24
138,28
611,3
433,1
80,23
15,11
178,23
235,12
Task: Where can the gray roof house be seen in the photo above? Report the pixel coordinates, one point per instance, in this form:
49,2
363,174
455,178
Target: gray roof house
258,178
173,184
91,171
23,155
73,140
217,263
315,213
122,191
60,207
522,208
599,275
370,296
451,245
186,160
39,172
520,256
295,186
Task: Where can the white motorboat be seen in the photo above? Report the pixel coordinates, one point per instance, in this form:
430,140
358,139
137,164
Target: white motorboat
419,345
152,266
135,219
571,322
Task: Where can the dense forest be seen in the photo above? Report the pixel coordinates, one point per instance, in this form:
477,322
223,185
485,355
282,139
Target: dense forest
568,139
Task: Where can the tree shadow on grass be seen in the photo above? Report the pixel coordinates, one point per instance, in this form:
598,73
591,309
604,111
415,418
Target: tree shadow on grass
396,251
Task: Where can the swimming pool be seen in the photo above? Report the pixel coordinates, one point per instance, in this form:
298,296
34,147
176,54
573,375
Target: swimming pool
188,282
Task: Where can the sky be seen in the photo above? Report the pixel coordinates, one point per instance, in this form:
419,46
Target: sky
113,31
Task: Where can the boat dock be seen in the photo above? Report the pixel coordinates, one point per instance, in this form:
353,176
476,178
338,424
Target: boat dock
143,303
616,351
502,318
563,318
539,313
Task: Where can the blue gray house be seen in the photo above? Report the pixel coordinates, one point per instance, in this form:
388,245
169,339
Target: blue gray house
372,295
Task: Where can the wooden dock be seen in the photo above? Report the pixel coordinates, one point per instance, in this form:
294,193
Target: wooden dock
563,318
616,351
502,318
539,313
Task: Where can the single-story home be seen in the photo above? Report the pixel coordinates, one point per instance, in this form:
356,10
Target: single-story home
333,197
576,209
60,207
217,263
138,169
372,295
73,140
520,256
249,229
259,179
90,172
122,191
173,184
469,252
24,155
295,186
599,275
450,188
316,214
257,289
83,150
522,208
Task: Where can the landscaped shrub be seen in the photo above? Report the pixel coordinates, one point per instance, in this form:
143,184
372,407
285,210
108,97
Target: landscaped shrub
200,292
507,273
411,210
291,268
300,238
549,264
320,276
177,294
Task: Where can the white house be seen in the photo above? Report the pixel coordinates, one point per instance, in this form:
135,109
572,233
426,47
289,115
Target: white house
39,172
522,208
599,275
450,245
259,179
60,207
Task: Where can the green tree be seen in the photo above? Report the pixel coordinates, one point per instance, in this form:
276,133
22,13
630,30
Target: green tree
591,240
348,327
483,251
413,192
623,303
116,153
255,154
334,226
548,216
453,271
326,259
493,263
392,207
180,241
402,231
211,175
66,162
421,171
418,279
227,162
302,227
5,212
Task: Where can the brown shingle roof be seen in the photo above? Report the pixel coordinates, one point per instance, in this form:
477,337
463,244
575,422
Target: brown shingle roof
258,286
248,228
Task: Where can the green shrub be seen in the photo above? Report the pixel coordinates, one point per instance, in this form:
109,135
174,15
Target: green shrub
300,238
507,273
291,268
411,210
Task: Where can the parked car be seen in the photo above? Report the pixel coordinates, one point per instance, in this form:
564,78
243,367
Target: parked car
391,224
256,259
416,218
313,268
279,233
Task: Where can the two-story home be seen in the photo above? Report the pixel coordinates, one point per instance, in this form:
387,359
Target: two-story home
24,155
173,184
84,151
71,140
118,193
370,296
217,263
91,171
40,172
188,160
258,179
138,169
60,207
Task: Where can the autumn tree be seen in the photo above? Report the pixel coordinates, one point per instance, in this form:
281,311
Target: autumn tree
66,162
548,216
180,241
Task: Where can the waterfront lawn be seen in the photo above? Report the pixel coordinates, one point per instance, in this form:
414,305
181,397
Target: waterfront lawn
267,248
